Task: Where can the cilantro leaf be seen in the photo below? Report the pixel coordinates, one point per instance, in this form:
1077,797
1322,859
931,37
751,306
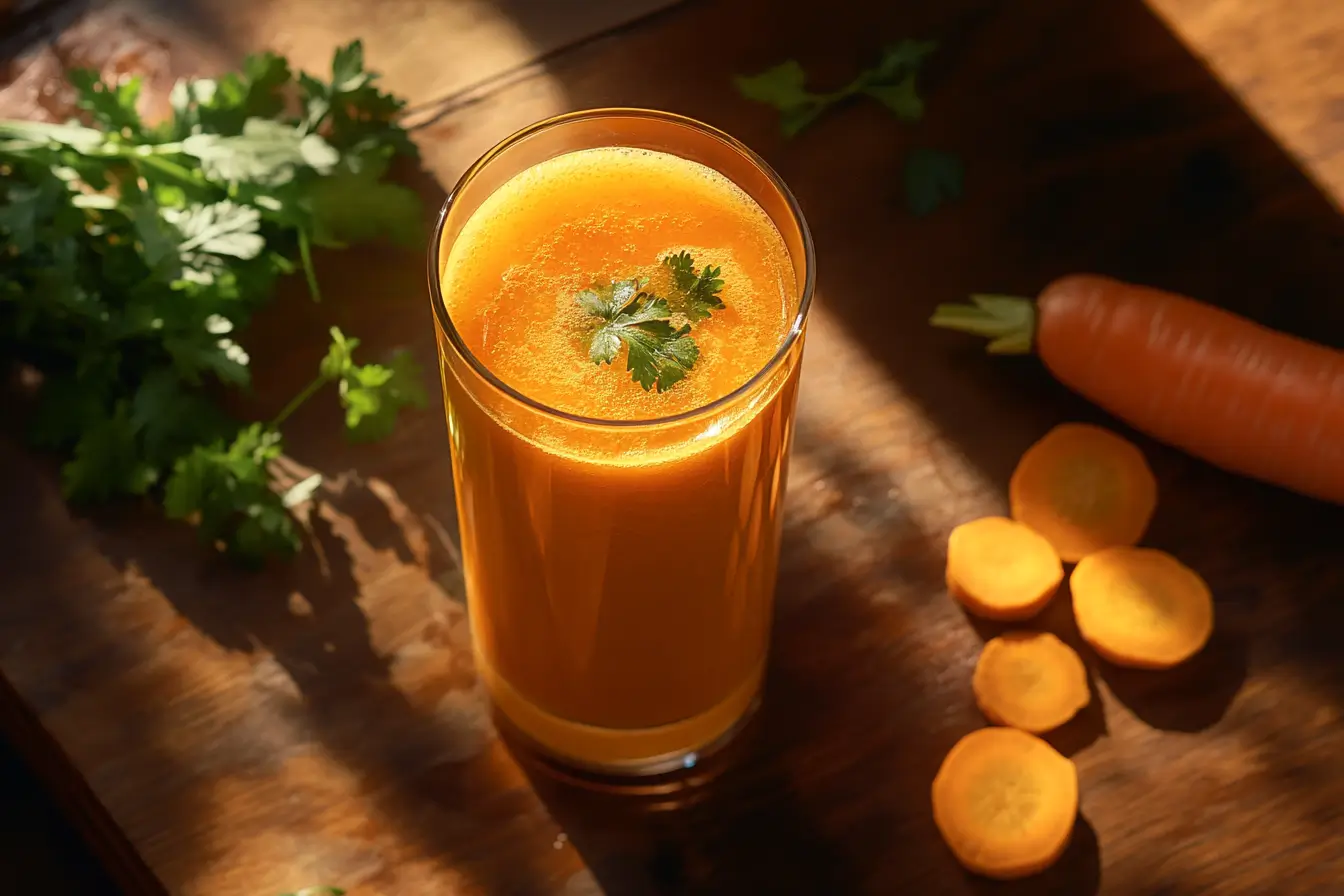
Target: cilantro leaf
901,98
112,107
24,135
890,82
266,152
349,207
221,228
136,255
356,115
107,461
372,394
339,357
227,490
213,351
657,354
171,418
906,56
699,292
347,68
223,105
783,88
931,179
25,205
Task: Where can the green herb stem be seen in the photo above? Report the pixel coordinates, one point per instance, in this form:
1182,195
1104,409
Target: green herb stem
306,257
297,401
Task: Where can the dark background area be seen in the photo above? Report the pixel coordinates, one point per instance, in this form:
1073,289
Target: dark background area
39,851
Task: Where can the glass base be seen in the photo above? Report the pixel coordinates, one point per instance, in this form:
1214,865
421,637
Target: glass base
621,752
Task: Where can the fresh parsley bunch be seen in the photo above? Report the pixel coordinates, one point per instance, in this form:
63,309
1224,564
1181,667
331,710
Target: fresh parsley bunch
134,255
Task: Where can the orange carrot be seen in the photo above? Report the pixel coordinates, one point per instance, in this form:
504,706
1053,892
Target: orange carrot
1005,801
1030,680
1141,607
1000,569
1239,395
1084,488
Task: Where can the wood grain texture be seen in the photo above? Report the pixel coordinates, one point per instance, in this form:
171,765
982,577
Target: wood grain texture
322,723
427,50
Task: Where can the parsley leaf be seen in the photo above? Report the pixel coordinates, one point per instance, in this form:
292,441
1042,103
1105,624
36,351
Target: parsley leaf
699,293
659,353
107,461
783,88
222,106
372,394
890,82
266,152
112,107
136,254
222,228
355,207
931,179
360,117
226,489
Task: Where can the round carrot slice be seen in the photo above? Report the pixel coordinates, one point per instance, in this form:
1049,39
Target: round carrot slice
1030,680
1005,801
1141,607
1084,488
1001,569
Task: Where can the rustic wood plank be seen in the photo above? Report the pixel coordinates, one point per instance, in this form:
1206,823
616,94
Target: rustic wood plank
322,723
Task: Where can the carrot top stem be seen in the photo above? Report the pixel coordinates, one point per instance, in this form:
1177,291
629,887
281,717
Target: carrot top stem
1008,321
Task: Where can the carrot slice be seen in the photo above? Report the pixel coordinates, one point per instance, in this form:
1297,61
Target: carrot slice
1001,569
1141,607
1030,680
1005,801
1084,488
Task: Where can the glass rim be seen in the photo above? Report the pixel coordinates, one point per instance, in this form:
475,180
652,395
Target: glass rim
459,344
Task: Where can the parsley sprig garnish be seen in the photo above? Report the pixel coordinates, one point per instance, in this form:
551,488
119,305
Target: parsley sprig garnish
133,256
699,292
659,353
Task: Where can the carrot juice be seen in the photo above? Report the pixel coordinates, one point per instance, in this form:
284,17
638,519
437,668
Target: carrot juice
620,538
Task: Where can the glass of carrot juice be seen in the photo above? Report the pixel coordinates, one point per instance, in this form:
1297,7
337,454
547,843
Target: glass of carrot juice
621,297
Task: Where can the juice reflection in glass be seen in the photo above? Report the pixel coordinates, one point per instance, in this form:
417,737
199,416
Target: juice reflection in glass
620,545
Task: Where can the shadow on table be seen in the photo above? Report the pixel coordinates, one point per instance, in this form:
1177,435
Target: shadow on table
827,790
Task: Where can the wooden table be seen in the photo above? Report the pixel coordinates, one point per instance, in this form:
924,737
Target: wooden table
245,735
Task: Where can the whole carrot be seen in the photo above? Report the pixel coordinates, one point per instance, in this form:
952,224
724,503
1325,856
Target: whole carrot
1223,388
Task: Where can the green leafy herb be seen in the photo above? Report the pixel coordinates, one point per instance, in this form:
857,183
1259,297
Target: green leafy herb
372,394
136,254
700,292
227,488
659,352
890,82
931,179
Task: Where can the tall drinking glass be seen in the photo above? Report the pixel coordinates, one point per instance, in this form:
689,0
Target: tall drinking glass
620,561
